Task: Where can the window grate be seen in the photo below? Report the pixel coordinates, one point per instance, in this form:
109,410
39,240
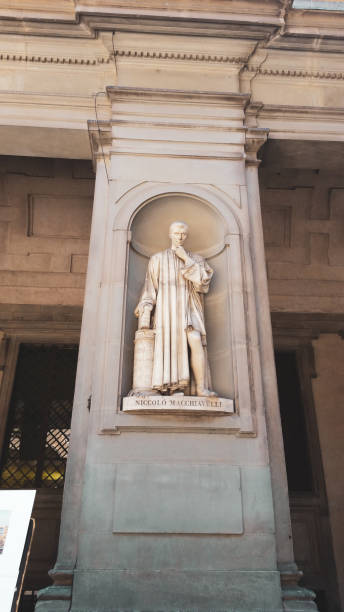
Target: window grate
38,426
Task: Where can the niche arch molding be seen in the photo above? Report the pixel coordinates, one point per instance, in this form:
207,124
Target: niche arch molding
125,211
128,205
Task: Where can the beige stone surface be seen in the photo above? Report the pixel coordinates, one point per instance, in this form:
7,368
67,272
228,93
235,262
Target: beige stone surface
303,217
153,499
45,212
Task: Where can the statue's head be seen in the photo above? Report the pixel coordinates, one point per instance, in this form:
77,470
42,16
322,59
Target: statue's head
178,233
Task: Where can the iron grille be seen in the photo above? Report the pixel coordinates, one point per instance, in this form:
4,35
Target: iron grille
38,426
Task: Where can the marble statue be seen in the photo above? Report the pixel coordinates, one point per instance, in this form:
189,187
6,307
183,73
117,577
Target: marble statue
170,344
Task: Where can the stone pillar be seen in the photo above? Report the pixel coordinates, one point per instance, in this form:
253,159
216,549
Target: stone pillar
294,597
58,596
173,512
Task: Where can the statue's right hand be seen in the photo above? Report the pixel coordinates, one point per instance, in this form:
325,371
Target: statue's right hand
144,318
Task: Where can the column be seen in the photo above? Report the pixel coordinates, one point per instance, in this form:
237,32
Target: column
174,511
295,597
57,598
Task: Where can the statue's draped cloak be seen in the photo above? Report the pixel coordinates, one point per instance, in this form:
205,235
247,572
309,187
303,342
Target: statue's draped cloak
175,292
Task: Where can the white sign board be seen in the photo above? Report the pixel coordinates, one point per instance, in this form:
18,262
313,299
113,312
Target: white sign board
15,513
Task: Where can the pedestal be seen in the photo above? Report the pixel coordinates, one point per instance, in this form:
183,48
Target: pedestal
143,361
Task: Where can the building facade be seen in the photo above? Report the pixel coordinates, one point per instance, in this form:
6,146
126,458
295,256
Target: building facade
117,118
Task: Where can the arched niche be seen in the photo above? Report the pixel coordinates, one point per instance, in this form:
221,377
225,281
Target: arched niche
207,236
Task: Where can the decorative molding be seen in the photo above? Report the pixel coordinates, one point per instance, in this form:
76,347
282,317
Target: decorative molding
255,138
174,56
180,55
49,59
304,74
243,423
207,253
127,53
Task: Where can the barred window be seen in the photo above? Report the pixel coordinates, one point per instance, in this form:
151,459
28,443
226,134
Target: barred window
38,426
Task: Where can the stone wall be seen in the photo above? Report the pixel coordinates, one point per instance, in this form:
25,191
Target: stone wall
45,214
328,389
303,217
45,217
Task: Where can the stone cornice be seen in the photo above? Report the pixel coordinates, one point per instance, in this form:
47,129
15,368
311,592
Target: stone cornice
66,119
89,18
167,116
282,111
138,93
275,24
302,122
245,11
33,9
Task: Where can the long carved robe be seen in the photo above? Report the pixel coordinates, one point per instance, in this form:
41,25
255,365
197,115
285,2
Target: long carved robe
175,292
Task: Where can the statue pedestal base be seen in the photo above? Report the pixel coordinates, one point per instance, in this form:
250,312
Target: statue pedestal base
178,404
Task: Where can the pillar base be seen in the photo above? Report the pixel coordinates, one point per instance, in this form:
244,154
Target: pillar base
57,601
237,591
295,597
58,596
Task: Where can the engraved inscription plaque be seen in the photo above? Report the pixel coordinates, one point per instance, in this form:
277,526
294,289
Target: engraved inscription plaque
175,404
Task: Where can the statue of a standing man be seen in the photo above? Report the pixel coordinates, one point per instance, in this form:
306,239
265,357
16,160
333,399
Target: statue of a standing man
172,303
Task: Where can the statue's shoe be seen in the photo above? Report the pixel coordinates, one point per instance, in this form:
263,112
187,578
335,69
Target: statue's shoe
142,393
206,393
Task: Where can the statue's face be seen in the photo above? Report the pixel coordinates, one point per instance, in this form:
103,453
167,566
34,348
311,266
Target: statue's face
178,234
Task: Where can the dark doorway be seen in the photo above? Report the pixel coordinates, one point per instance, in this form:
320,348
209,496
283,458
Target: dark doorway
307,493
